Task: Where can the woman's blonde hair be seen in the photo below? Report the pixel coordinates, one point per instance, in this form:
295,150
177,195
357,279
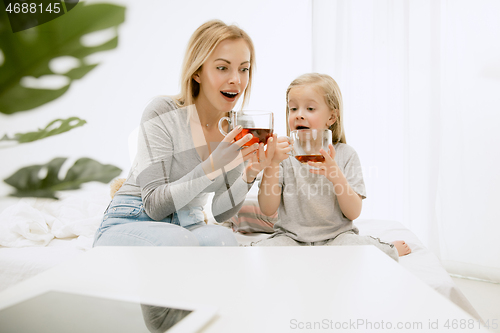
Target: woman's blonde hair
201,45
333,99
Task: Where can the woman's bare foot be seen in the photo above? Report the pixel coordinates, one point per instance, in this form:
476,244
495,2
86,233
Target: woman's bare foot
402,247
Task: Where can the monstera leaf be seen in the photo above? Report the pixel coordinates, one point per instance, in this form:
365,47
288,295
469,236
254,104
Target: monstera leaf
28,54
50,130
42,180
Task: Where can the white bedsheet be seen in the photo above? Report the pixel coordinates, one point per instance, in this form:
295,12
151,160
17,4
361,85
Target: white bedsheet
35,222
37,234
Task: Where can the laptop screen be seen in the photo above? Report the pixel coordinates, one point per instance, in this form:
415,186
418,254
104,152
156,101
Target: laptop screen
64,312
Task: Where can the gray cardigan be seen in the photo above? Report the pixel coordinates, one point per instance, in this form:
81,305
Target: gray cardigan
167,171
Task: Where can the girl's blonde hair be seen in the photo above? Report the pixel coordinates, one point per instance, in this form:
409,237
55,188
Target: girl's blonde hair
201,45
333,99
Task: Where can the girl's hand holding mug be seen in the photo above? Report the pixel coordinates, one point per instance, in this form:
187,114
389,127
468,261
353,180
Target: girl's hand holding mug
282,151
277,151
329,167
260,159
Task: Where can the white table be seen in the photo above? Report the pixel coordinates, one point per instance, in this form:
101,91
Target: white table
259,289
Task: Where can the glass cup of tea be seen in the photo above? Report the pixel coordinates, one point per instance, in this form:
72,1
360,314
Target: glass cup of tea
258,123
306,144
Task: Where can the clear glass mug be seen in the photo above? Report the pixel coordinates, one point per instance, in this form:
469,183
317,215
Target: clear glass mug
306,144
258,123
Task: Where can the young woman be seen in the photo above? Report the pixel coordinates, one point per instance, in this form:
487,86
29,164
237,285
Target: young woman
182,156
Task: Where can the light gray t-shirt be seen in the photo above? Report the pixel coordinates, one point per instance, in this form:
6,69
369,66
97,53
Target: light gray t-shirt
309,210
167,171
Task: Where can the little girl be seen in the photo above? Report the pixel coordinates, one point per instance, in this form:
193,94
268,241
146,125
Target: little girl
316,206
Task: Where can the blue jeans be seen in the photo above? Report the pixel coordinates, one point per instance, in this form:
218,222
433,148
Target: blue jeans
125,223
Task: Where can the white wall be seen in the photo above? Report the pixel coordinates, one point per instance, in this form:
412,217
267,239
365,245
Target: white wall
421,81
147,63
356,42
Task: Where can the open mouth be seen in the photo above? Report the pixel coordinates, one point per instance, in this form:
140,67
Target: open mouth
301,127
229,94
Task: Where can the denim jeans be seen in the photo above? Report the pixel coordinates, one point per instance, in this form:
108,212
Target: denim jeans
125,223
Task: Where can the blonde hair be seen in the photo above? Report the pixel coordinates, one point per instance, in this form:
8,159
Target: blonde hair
333,99
201,45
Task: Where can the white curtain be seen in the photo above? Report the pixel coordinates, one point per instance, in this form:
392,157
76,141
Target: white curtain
421,87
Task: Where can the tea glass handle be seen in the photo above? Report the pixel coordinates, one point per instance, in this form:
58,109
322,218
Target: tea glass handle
220,125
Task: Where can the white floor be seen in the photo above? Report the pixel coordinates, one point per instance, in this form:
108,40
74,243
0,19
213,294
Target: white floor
485,298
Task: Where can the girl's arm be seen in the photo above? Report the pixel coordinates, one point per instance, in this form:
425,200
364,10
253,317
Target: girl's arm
258,161
270,190
349,201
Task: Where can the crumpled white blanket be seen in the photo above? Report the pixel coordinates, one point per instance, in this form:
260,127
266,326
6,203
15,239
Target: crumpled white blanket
35,222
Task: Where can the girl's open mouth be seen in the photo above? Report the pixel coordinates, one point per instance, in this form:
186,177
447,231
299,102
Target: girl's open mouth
301,127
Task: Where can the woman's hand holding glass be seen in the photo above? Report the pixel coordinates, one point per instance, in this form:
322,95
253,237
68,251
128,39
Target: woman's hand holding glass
228,154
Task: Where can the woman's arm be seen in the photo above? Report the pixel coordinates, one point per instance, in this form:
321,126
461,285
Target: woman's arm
228,202
229,198
162,196
162,125
153,171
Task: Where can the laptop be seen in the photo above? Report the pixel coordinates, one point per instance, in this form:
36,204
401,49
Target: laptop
56,311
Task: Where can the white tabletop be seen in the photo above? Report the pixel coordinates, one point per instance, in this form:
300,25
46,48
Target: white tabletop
260,289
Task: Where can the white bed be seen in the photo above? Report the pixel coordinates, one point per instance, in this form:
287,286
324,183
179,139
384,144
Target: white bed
28,228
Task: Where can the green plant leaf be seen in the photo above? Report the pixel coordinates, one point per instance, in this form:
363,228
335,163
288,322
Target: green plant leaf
42,180
28,53
50,130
